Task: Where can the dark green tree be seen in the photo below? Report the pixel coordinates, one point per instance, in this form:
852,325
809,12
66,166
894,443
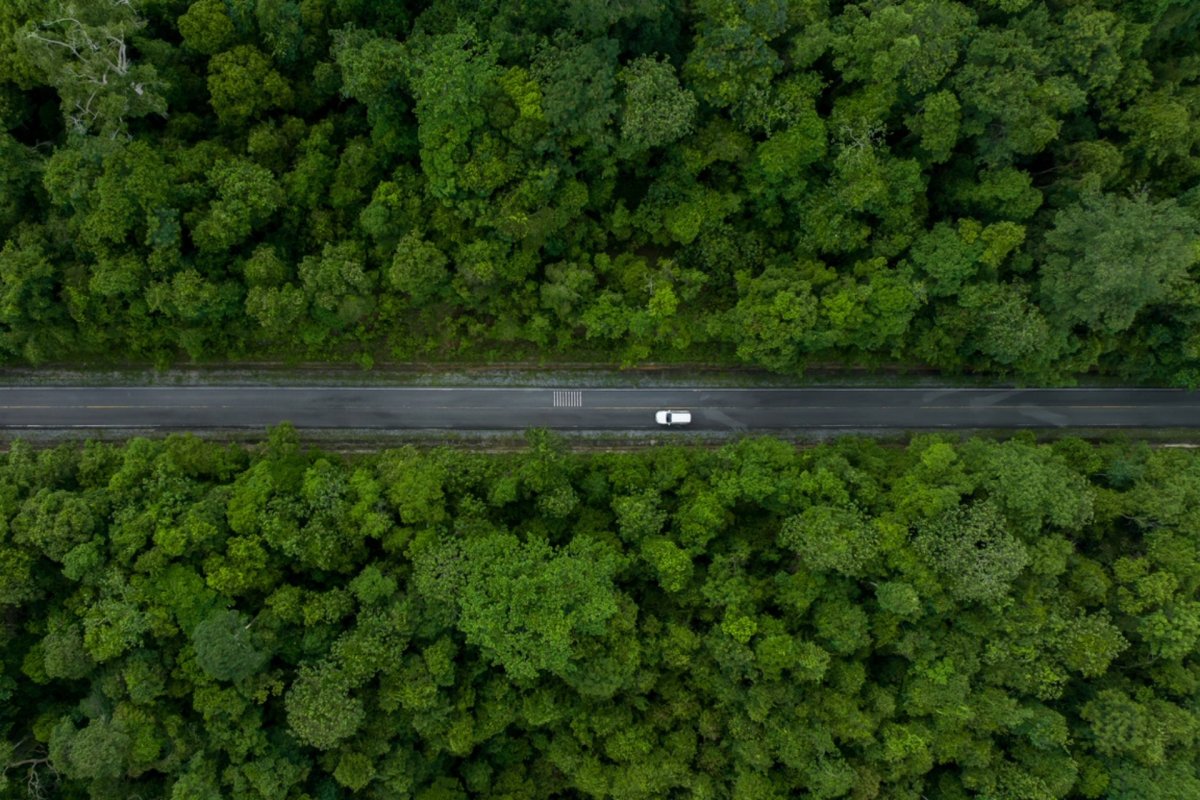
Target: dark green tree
225,647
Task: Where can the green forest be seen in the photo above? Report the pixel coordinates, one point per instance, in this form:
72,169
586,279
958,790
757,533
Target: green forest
182,620
1006,189
996,186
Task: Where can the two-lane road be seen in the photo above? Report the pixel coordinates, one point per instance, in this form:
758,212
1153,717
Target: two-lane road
197,407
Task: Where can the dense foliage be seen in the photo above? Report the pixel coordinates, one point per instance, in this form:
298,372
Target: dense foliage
997,185
1008,621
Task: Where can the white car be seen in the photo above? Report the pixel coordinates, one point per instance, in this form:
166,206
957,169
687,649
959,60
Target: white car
669,418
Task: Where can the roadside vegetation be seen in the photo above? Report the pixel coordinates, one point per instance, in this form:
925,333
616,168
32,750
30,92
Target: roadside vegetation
994,186
1005,620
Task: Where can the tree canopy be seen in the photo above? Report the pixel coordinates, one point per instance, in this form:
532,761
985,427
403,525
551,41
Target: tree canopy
195,621
997,186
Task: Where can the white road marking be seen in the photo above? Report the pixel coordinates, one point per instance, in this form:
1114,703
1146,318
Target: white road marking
568,399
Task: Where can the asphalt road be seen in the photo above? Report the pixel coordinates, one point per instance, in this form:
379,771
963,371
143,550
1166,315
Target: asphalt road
196,407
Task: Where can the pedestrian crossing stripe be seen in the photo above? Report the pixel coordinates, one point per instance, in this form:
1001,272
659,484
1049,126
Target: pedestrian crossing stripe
568,399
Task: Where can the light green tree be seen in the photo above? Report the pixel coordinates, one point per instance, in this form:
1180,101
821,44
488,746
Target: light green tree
1108,257
657,110
973,553
321,712
529,606
247,197
206,27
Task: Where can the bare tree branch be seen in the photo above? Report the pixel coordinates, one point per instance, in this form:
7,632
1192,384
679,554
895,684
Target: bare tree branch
85,51
38,767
